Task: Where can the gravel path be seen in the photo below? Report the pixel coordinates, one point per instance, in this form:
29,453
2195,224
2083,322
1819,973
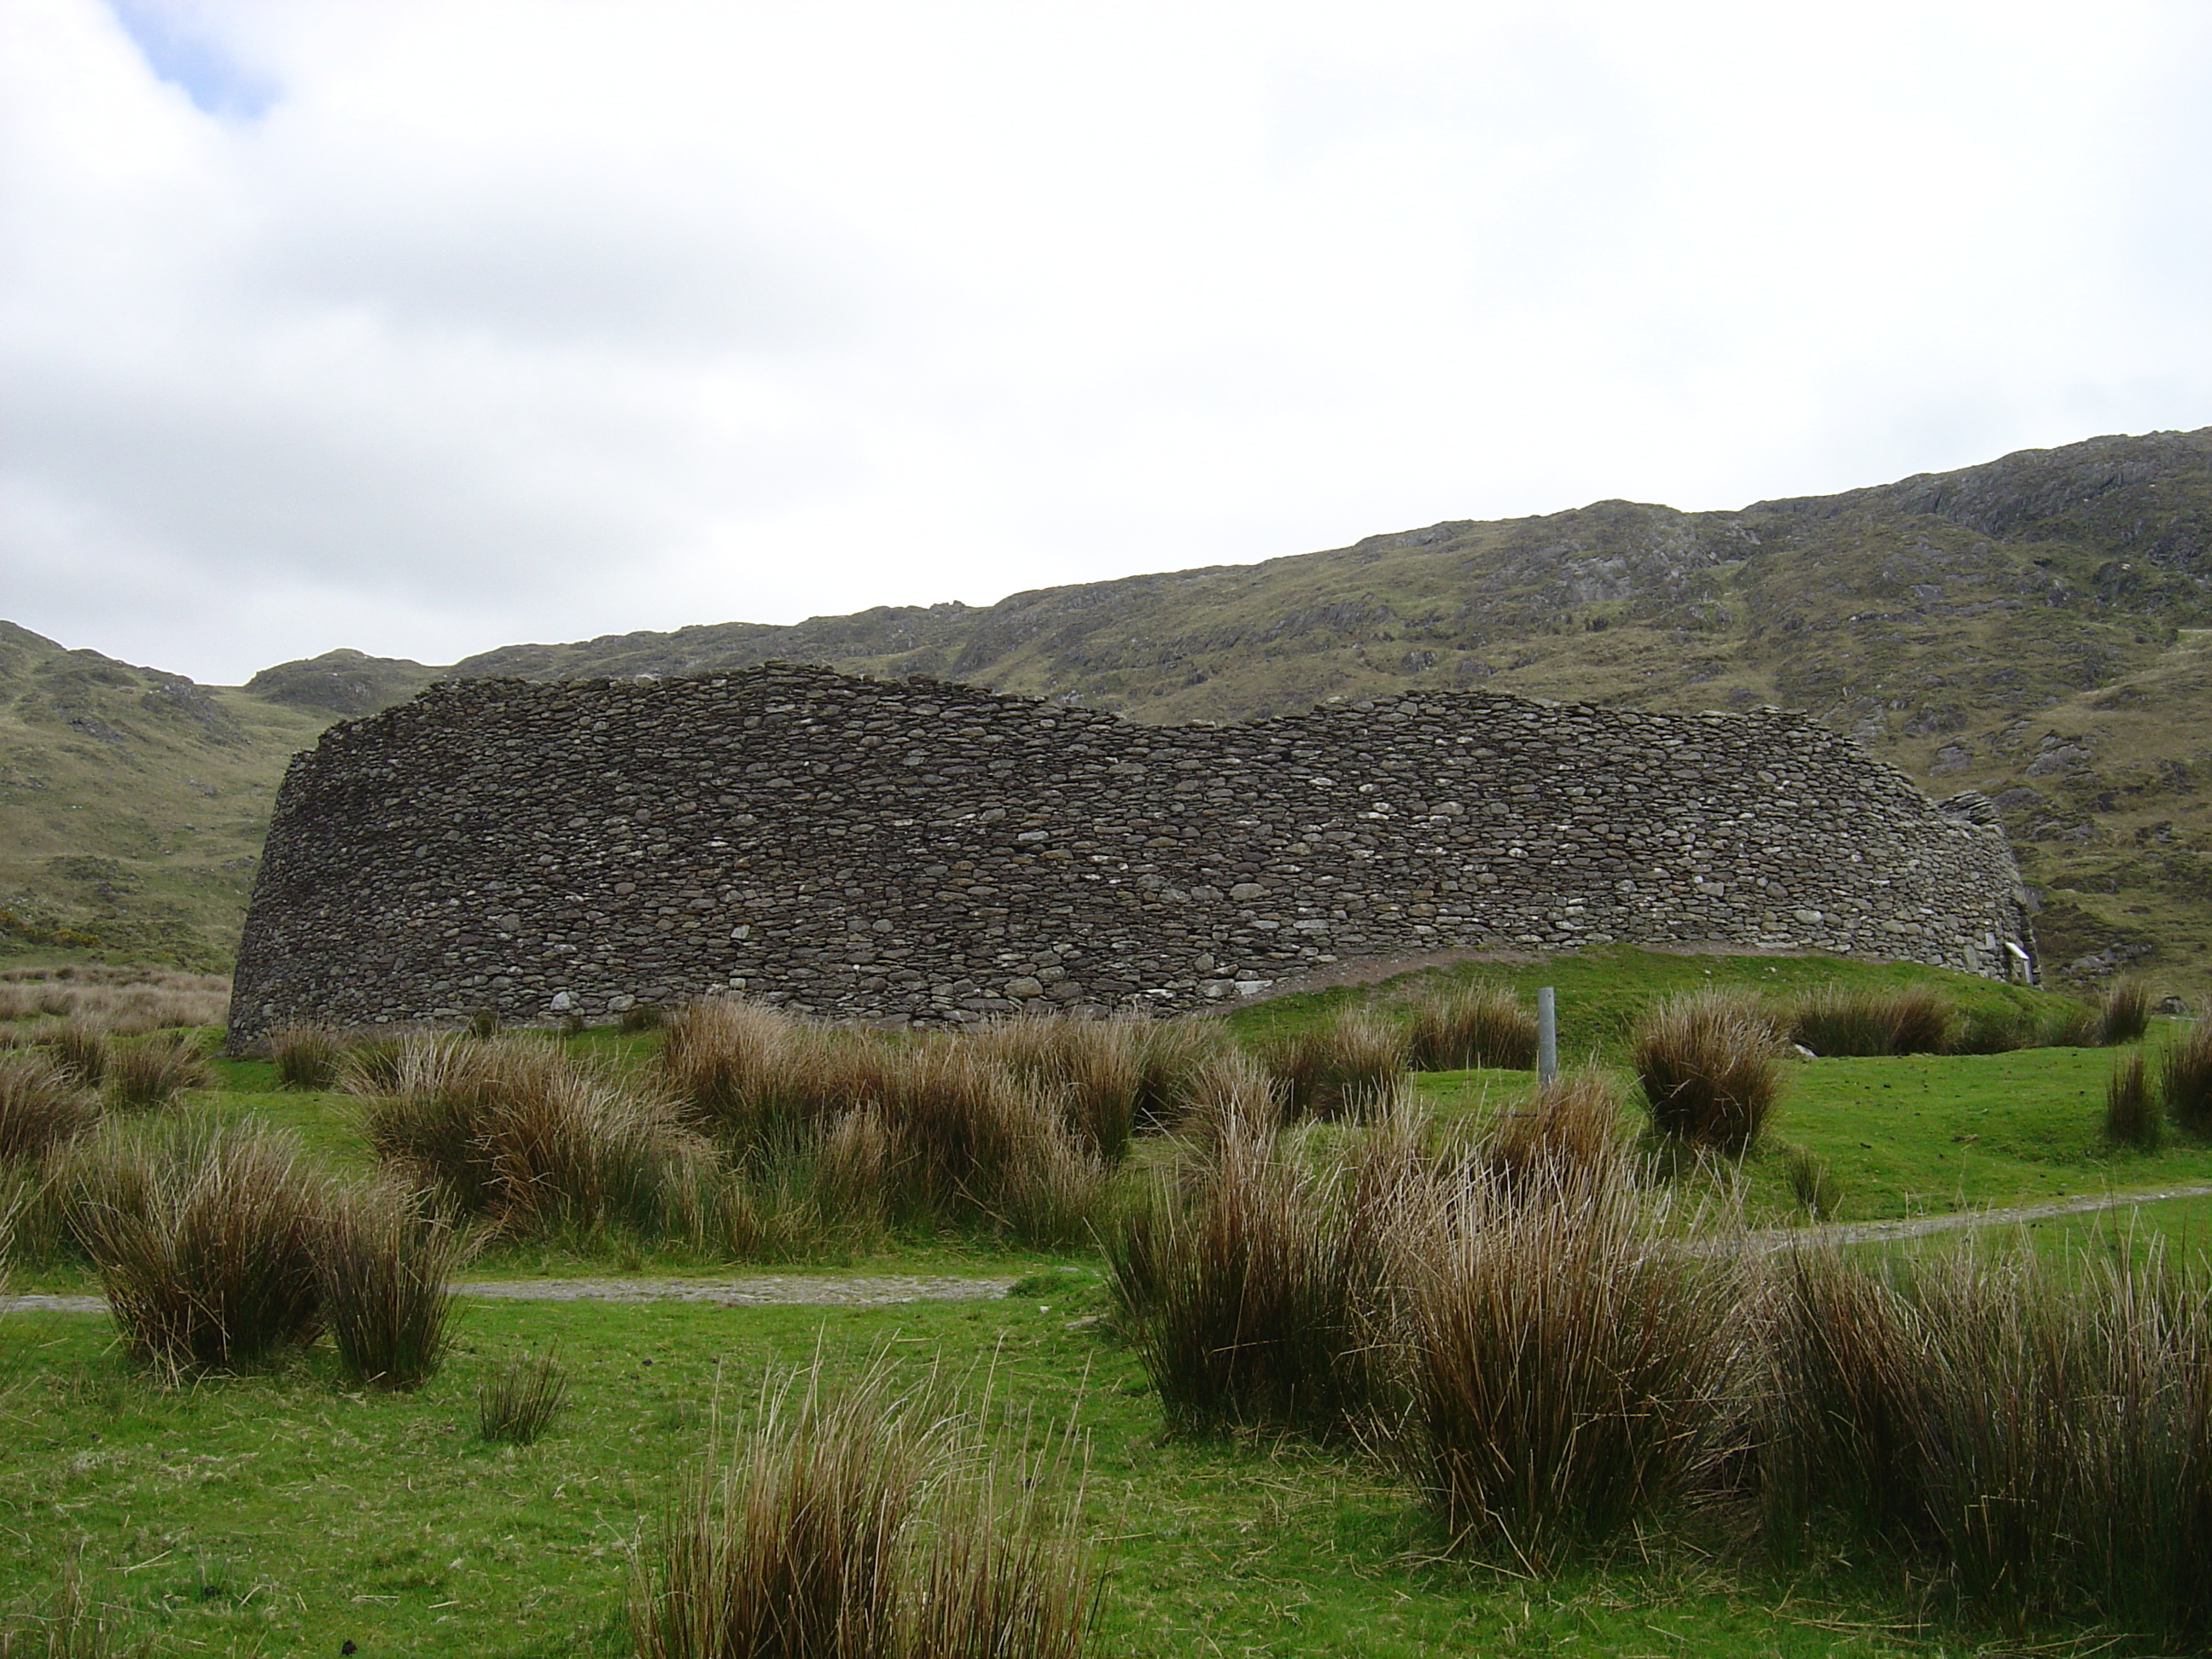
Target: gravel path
815,1291
782,1289
1919,1226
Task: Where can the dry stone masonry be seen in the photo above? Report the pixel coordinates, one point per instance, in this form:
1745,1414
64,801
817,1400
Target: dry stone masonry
930,853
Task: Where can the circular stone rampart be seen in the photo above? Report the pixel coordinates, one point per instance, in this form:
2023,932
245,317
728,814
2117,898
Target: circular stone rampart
930,852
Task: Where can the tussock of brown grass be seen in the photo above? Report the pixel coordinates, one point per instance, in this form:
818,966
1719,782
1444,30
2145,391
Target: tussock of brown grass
1472,1026
385,1268
866,1521
42,1108
83,1050
1007,1131
1914,1019
1844,1400
1573,1125
2123,1013
1250,1284
518,1130
1349,1066
1093,1070
2132,1117
1572,1374
204,1235
2185,1077
1708,1065
307,1056
150,1072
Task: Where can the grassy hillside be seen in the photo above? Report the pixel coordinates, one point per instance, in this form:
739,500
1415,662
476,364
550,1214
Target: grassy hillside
132,804
2039,628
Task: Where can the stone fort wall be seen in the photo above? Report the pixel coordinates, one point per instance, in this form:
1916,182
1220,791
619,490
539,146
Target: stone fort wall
933,853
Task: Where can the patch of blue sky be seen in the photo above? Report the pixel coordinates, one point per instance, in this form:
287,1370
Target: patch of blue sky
195,62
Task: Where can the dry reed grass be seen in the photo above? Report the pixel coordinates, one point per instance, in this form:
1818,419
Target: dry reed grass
2123,1012
1915,1019
1349,1066
1012,1130
307,1056
151,1072
1574,1372
1709,1070
520,1132
204,1235
1574,1124
863,1521
1472,1026
2185,1077
2132,1117
82,1049
1844,1401
42,1108
1250,1283
385,1268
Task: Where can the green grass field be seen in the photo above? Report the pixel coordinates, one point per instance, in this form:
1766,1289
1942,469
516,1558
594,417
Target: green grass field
283,1512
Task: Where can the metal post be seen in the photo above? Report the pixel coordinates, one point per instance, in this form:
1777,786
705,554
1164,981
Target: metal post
1547,1037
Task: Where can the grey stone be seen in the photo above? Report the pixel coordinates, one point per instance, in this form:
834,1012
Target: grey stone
761,832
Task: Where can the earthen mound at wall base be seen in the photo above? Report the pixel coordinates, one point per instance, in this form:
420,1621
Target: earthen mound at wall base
928,851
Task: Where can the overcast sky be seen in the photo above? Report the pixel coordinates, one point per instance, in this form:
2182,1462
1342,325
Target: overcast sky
427,327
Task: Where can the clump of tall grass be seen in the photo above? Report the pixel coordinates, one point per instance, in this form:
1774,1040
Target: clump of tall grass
42,1108
1912,1020
83,1050
1250,1286
2132,1117
370,1066
1709,1070
1812,1182
152,1072
204,1235
1471,1025
385,1268
1012,1131
524,1134
519,1400
2123,1012
2043,1429
1998,1030
2071,1025
307,1056
2185,1077
1092,1069
2067,1442
1571,1125
1572,1371
761,1081
864,1520
969,1145
1845,1399
1349,1065
1174,1058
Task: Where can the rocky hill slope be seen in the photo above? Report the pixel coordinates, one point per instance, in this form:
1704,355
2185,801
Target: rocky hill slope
2039,627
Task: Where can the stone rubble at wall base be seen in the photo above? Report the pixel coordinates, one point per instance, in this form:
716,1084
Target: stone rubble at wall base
932,853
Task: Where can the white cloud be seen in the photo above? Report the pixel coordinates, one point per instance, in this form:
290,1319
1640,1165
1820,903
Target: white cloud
425,327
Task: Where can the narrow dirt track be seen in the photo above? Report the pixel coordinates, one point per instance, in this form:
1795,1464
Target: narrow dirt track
810,1290
1920,1226
780,1289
